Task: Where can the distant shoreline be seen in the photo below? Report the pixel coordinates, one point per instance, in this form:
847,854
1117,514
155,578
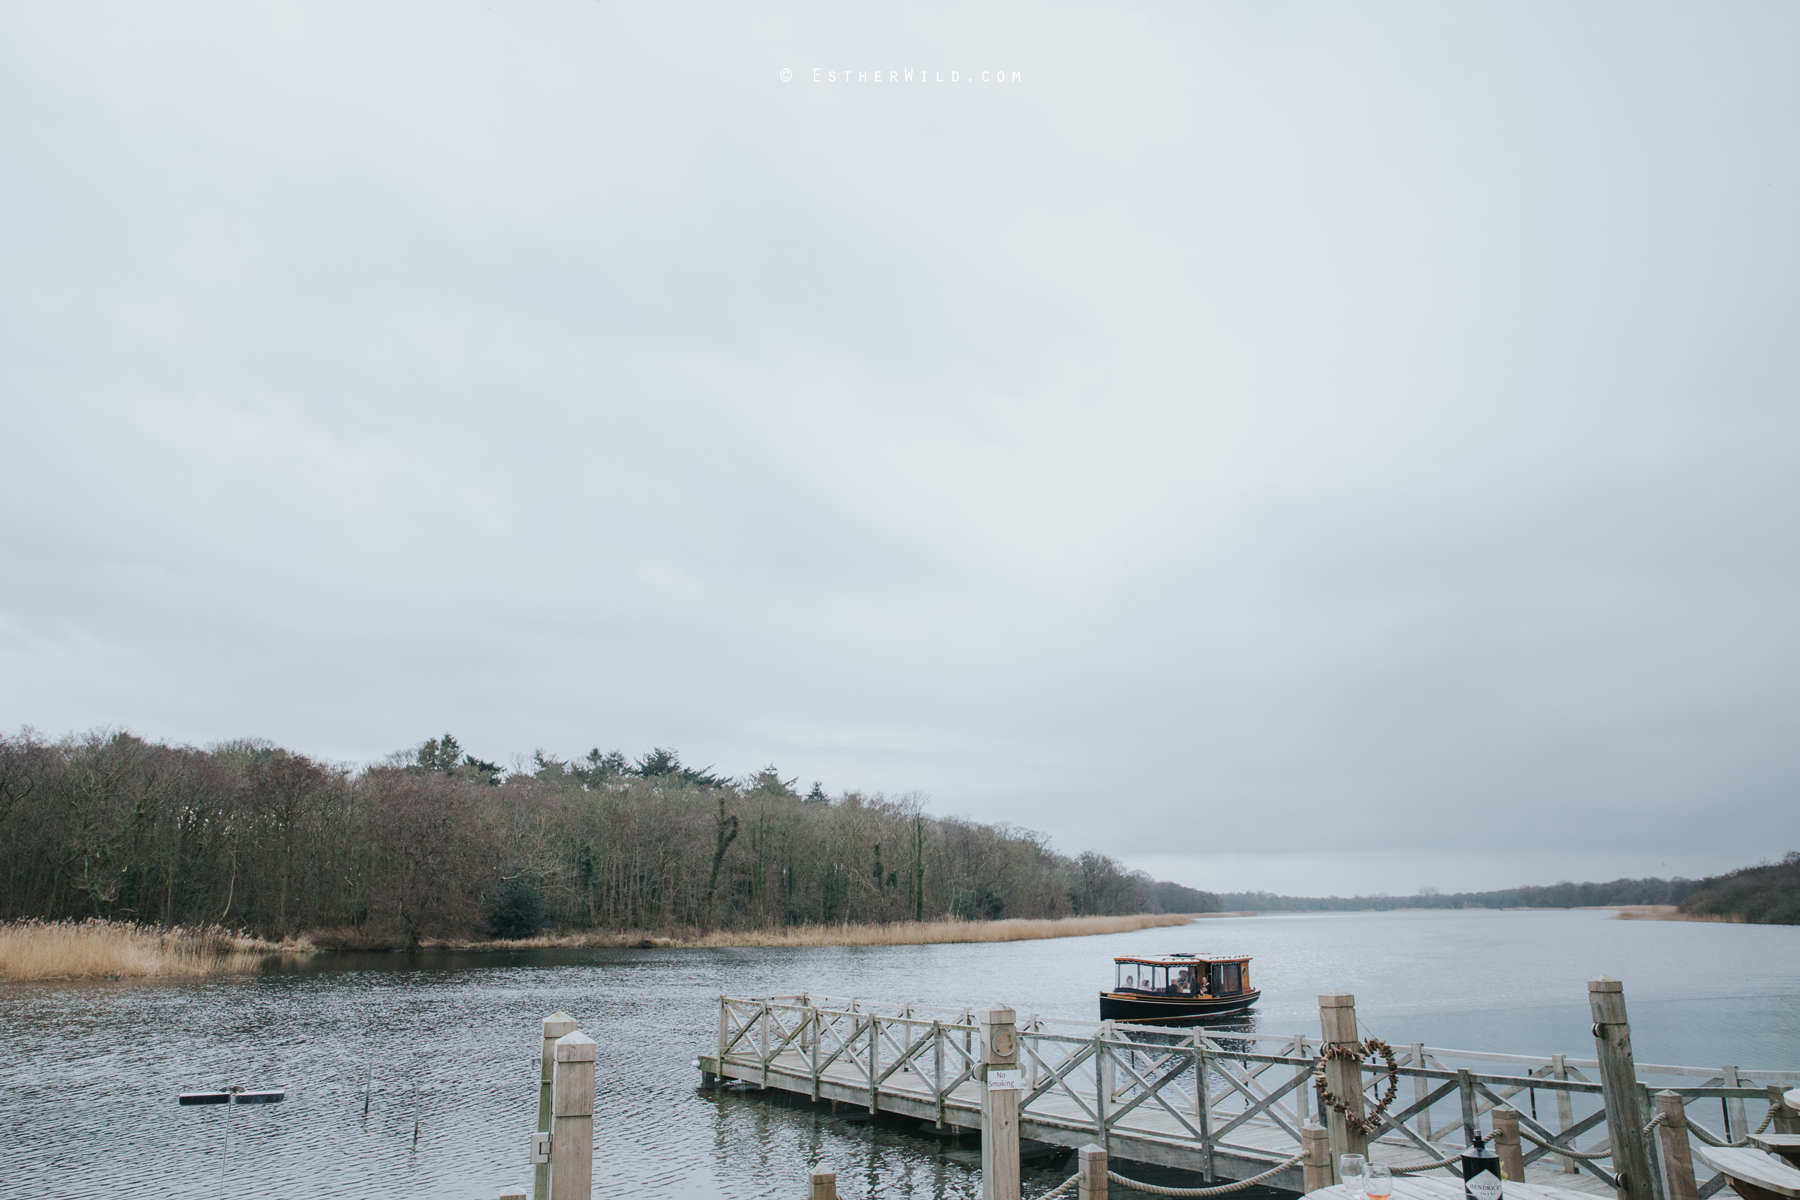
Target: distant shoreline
98,949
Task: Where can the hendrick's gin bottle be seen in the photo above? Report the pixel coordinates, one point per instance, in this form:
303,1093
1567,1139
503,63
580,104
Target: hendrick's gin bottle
1481,1170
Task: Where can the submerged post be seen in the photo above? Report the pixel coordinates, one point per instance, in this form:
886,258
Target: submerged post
1619,1085
1000,1079
1677,1155
1343,1076
1316,1171
1091,1184
572,1139
1506,1144
557,1024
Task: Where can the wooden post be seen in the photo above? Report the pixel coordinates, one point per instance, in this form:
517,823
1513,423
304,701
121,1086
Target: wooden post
1203,1106
812,1049
999,1107
1317,1170
1421,1089
1337,1027
1618,1081
937,1068
1101,1131
874,1059
556,1025
512,1193
1302,1069
1107,1065
762,1042
1092,1172
1565,1108
1506,1144
1677,1156
824,1184
1786,1119
1735,1124
1465,1088
572,1140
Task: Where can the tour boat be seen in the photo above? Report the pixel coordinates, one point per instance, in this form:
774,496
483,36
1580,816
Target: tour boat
1177,987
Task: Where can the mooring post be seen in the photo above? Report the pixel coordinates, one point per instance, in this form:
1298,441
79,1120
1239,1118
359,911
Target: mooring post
572,1140
512,1193
824,1184
556,1025
999,1105
1506,1144
1677,1157
1092,1172
1619,1087
1316,1171
1343,1076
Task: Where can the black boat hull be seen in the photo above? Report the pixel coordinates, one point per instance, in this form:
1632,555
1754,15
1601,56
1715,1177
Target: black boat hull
1165,1010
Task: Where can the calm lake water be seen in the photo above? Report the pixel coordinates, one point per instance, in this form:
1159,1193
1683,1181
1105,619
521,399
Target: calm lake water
89,1072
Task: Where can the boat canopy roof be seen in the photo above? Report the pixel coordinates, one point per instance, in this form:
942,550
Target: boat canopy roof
1181,960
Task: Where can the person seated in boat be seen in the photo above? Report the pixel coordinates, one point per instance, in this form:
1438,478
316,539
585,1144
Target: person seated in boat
1130,984
1182,984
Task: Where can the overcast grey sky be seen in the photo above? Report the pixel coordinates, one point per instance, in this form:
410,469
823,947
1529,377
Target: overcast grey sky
1308,446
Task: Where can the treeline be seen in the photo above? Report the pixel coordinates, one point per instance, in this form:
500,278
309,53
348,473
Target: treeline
1772,891
1768,894
437,843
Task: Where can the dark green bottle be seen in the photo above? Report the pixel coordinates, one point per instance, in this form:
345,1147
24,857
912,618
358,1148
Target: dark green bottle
1481,1170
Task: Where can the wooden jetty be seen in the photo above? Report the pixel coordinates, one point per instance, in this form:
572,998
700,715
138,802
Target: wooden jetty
1232,1106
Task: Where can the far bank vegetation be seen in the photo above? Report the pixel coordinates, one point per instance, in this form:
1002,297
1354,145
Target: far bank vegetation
101,949
436,845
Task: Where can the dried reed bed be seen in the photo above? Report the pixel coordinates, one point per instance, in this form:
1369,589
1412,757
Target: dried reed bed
99,949
1668,912
899,933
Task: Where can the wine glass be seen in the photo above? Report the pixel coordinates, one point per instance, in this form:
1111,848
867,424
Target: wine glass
1351,1168
1379,1183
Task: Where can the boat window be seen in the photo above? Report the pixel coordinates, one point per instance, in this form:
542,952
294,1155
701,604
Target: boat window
1231,984
1127,975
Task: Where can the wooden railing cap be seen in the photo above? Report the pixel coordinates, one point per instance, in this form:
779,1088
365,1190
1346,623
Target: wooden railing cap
575,1047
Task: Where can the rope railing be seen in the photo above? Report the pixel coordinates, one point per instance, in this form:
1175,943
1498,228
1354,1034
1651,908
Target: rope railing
1191,1193
1706,1135
1571,1152
1430,1166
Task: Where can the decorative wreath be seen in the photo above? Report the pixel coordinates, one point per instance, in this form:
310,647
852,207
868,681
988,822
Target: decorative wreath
1352,1052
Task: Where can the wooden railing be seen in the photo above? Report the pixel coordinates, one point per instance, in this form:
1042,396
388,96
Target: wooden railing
1230,1104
